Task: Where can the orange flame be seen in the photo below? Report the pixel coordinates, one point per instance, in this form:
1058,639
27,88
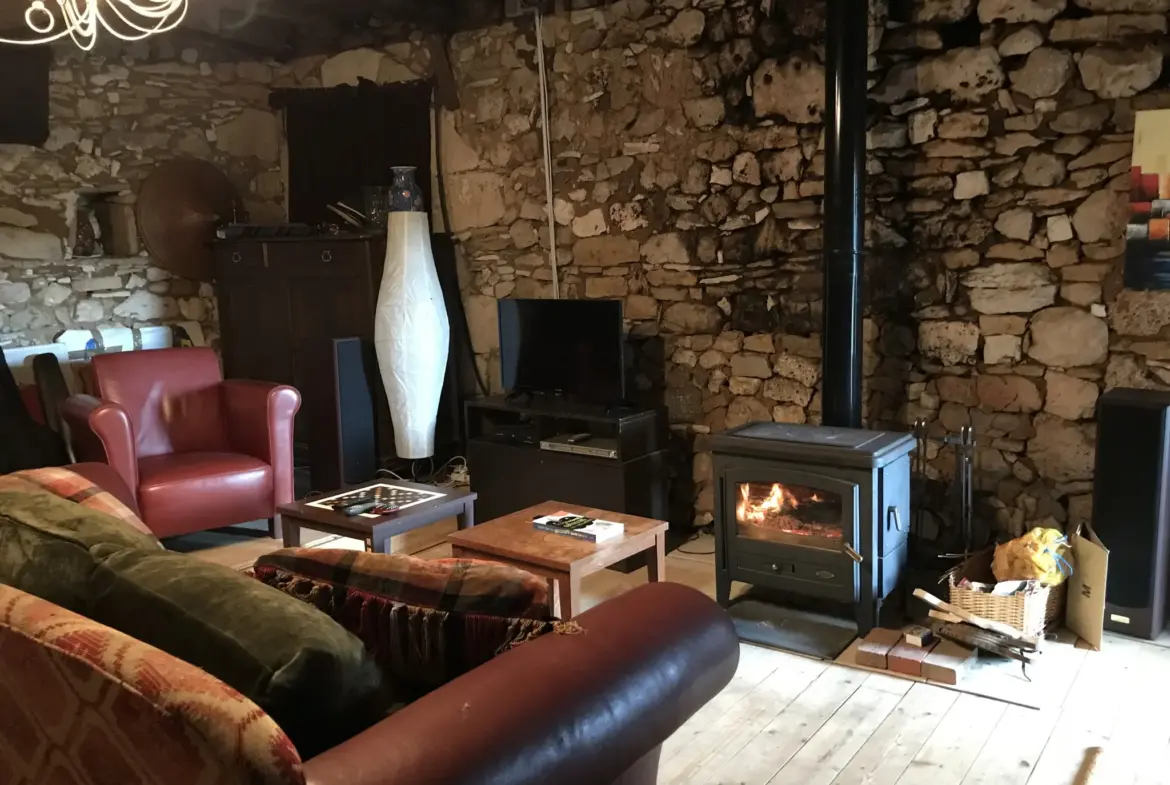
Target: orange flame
776,501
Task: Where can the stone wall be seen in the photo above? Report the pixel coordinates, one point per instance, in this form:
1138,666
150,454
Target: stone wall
113,118
688,179
1006,131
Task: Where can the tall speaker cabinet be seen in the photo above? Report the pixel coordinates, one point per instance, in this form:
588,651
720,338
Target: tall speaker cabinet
1131,507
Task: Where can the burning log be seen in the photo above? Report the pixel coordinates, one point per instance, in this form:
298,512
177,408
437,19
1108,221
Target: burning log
789,511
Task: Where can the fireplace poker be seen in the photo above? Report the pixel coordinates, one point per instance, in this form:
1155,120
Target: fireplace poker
919,521
964,444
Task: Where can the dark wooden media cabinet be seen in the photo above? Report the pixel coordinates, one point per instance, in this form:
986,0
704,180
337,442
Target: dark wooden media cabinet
511,471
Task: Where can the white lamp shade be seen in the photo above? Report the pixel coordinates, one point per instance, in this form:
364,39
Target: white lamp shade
411,334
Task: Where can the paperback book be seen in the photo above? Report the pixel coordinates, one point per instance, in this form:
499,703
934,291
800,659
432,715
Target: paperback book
590,529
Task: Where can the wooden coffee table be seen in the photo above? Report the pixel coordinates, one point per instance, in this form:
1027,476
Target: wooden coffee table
376,532
563,560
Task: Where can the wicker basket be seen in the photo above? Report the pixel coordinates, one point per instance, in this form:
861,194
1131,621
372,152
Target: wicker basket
1030,613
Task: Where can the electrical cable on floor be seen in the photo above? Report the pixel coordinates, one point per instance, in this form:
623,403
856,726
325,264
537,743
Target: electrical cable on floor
459,462
699,532
458,478
422,478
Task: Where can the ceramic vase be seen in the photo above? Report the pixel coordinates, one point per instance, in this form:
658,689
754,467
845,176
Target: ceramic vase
411,330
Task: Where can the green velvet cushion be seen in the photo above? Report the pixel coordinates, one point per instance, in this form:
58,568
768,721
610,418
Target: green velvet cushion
46,545
305,670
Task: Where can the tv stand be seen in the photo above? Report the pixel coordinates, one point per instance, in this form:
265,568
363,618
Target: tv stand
622,467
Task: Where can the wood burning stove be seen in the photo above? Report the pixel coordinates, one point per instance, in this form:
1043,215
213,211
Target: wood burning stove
815,511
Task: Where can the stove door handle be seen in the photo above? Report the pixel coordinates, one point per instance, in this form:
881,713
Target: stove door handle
892,512
852,554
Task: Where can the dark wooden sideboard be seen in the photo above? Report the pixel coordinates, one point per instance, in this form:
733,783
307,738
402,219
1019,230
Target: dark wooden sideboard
282,303
282,300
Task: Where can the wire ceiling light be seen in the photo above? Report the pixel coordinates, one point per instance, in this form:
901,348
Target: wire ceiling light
127,20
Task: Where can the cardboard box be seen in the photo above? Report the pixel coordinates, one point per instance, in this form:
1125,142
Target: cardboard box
1085,613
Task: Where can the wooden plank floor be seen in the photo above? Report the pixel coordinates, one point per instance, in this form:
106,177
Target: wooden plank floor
789,720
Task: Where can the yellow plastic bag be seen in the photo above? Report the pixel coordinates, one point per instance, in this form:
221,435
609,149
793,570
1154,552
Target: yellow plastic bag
1040,555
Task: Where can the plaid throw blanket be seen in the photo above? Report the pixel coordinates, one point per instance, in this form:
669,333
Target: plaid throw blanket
456,585
75,488
425,622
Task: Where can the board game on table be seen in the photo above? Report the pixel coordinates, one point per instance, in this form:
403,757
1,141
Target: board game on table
414,505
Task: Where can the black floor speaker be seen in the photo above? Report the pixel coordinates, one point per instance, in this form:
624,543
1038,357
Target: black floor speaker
349,435
1131,507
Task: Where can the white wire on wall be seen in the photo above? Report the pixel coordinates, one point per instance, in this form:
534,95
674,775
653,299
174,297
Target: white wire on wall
548,177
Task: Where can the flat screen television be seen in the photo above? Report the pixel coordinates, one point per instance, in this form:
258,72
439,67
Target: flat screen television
565,347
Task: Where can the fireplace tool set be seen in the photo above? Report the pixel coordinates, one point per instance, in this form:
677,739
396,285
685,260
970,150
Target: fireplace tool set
946,518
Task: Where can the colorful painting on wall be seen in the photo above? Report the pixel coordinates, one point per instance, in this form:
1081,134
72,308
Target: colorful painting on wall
1147,235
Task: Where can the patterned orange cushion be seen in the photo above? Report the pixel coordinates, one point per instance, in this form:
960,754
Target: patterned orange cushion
84,704
72,486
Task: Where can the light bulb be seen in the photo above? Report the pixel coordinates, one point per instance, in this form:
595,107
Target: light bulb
126,20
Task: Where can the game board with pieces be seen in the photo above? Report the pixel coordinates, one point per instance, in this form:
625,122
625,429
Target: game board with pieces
389,499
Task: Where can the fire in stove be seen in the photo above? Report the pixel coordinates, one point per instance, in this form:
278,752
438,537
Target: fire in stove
787,510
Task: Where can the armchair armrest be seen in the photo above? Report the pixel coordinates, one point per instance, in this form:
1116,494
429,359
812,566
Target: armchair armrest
571,709
101,431
260,420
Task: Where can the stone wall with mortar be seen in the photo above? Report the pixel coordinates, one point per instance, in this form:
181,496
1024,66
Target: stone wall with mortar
114,117
1007,129
688,176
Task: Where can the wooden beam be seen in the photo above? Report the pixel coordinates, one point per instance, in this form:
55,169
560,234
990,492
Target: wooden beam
12,15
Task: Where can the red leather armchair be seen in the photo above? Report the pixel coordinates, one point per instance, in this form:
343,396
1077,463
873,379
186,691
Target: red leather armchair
198,452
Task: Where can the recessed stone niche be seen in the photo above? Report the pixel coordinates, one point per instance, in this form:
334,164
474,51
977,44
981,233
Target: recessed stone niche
102,224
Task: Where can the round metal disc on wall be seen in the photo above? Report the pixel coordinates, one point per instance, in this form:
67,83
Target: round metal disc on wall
179,206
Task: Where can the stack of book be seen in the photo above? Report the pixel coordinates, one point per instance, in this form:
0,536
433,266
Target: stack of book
579,526
1147,233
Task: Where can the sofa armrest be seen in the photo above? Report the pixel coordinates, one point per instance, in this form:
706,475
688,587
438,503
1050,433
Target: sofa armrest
107,478
260,419
571,709
101,432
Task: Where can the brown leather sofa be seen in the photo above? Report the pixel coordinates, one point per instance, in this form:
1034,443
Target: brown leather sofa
586,709
198,452
82,703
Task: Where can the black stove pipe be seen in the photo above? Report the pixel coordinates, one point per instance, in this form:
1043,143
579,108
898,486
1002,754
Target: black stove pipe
846,66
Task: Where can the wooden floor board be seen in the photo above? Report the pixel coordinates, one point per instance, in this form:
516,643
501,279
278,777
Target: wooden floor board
1013,748
1141,728
722,742
1090,712
755,665
947,755
832,747
777,741
886,754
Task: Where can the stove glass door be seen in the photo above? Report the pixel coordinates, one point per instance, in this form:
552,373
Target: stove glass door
792,507
791,513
